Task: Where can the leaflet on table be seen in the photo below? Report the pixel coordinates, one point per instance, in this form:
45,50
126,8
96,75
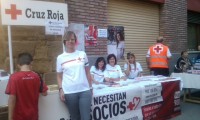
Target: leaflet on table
151,78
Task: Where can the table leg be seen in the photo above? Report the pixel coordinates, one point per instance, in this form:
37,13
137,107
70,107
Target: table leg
189,93
184,95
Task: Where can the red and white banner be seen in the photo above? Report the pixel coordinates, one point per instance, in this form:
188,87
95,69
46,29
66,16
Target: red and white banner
33,13
131,100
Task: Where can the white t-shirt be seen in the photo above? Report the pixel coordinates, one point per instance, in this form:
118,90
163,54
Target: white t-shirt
113,72
134,73
72,65
98,74
120,50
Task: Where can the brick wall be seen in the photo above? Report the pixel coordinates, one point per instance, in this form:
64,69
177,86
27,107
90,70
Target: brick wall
173,24
45,48
90,12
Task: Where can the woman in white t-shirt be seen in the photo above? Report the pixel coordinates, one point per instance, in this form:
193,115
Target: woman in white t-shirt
113,71
132,68
97,71
74,79
120,45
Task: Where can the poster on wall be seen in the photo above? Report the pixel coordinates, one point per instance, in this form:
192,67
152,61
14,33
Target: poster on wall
78,29
116,41
91,35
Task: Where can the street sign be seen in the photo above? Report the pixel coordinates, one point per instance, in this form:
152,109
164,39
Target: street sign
54,27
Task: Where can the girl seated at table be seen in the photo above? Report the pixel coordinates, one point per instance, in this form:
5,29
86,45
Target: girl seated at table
97,71
113,71
132,68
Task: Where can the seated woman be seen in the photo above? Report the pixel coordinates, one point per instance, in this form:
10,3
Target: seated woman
132,68
97,71
113,71
184,63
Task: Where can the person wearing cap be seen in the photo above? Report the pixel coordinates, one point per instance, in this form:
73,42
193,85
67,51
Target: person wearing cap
157,58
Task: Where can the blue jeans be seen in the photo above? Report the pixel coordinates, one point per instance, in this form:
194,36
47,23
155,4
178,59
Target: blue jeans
79,105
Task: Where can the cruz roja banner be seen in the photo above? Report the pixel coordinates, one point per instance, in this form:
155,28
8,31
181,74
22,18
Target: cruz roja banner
33,13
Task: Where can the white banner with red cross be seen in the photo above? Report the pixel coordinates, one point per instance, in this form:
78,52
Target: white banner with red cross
32,13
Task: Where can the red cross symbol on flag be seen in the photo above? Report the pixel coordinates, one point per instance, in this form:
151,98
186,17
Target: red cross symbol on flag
157,49
13,12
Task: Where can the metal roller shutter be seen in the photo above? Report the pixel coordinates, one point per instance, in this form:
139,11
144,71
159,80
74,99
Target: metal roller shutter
141,25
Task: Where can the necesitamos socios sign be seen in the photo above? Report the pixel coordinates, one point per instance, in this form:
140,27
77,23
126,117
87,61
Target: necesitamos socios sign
32,13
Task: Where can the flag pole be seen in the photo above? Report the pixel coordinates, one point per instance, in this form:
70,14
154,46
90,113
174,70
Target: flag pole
10,49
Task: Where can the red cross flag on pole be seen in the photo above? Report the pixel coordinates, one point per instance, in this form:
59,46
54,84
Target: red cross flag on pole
31,13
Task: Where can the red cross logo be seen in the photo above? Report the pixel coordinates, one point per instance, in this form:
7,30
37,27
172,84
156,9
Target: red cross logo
131,106
79,59
157,49
13,12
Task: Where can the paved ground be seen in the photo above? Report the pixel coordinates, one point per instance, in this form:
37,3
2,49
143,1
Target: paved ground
189,111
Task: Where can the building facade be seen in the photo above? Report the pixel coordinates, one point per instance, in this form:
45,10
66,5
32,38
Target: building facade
143,22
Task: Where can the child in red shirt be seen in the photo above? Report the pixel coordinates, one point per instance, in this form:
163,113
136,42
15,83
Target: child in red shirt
23,89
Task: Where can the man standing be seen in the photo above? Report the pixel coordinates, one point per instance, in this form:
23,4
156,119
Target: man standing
157,58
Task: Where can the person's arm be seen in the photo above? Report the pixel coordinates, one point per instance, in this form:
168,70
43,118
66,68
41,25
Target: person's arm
169,55
106,76
44,93
92,78
148,62
44,90
107,79
11,106
115,79
43,86
140,69
92,69
148,59
59,80
121,75
87,70
127,68
122,57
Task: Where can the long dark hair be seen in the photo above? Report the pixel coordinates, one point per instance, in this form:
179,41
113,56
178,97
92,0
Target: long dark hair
121,38
99,59
131,55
